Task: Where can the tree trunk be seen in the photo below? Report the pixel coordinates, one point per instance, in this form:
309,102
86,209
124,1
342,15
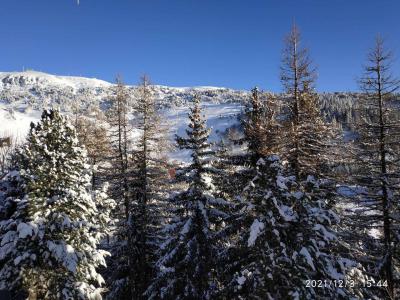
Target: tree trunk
385,199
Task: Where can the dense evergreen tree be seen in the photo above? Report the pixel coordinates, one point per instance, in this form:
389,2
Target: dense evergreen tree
281,238
187,265
49,242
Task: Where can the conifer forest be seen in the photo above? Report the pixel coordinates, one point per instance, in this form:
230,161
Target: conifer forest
296,197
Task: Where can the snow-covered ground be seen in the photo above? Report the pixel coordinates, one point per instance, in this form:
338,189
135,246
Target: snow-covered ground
219,118
23,96
16,122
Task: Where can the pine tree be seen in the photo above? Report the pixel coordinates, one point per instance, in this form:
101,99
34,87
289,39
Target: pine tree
187,266
281,238
377,170
49,243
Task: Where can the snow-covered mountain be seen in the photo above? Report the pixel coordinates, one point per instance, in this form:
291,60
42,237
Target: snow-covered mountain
34,78
36,87
23,95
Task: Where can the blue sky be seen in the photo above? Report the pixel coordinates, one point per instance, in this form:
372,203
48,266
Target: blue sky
232,43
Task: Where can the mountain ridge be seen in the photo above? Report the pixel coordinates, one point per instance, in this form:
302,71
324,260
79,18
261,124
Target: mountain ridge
23,95
37,76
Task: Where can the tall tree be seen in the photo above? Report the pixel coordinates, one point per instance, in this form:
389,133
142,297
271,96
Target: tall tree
186,268
378,165
120,178
120,139
297,72
298,77
149,174
49,242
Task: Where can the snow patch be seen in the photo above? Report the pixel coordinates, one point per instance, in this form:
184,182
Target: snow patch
281,182
255,231
26,229
285,211
308,257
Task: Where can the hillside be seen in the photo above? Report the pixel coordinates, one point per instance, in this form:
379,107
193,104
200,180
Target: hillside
23,95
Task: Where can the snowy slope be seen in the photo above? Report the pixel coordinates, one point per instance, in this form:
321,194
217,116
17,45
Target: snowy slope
32,78
23,95
219,118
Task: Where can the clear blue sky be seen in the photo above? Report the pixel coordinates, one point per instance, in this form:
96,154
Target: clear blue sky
232,43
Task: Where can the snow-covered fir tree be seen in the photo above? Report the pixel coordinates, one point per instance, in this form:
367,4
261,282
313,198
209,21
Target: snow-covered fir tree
187,264
51,232
281,238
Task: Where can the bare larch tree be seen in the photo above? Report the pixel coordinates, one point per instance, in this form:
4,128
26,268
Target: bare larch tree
378,159
298,77
120,173
149,175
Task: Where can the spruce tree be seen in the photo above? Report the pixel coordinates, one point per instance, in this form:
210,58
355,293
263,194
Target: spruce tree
280,238
187,264
49,243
